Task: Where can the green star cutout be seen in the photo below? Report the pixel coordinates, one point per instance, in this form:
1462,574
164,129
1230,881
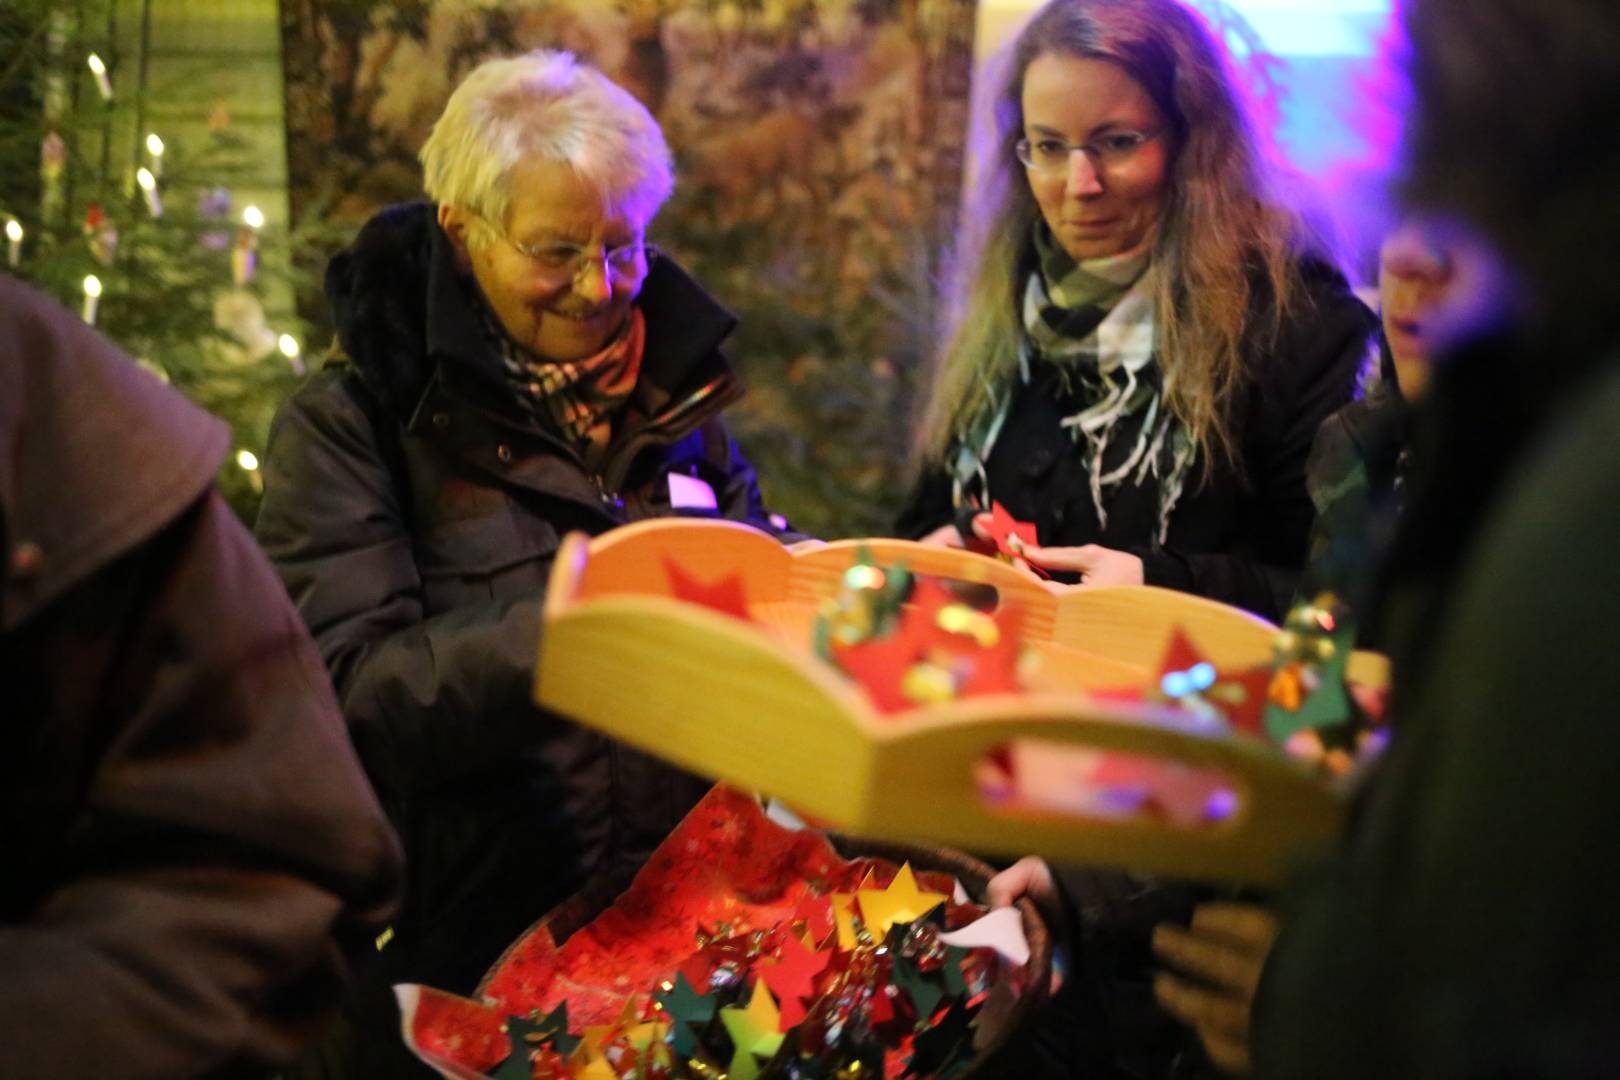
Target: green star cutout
552,1026
682,1002
924,994
682,1039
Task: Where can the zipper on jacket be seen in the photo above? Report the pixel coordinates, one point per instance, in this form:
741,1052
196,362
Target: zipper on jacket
653,428
609,499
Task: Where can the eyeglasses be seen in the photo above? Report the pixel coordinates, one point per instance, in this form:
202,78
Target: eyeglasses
561,261
1048,155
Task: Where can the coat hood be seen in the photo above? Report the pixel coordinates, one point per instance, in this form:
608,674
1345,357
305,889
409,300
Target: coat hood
96,455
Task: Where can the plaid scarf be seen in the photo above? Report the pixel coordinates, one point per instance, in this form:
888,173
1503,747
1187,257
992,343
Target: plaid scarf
1093,320
580,398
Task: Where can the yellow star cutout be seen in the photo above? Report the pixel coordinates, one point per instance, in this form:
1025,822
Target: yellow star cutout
629,1016
754,1031
901,902
597,1068
843,909
592,1039
641,1036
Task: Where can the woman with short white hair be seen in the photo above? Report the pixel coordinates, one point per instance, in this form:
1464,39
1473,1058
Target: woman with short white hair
516,364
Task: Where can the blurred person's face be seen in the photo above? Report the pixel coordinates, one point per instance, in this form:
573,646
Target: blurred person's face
1102,154
1414,276
563,270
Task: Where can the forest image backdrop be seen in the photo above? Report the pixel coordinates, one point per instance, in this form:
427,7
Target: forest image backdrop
819,167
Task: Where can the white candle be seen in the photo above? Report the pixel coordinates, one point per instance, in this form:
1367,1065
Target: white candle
92,297
99,70
244,256
154,147
289,348
148,182
248,462
14,239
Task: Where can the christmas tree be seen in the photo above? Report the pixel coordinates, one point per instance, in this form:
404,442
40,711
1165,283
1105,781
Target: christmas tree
116,197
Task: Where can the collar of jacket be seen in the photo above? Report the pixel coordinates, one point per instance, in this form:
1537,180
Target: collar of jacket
96,455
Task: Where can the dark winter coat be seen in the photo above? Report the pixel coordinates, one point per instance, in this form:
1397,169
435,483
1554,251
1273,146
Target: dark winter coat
414,510
191,846
1354,475
1467,926
1238,536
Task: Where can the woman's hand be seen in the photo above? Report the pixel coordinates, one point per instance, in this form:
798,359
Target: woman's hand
1225,950
1095,564
1029,877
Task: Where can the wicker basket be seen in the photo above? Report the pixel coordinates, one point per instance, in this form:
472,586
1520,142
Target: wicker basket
577,911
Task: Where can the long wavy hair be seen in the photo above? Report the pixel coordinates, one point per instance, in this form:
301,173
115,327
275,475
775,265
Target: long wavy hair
1226,226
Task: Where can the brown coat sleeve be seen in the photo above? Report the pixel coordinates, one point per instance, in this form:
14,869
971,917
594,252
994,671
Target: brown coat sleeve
195,854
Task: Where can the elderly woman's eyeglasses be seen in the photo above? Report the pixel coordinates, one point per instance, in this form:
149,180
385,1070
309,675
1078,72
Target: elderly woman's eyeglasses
1048,155
561,261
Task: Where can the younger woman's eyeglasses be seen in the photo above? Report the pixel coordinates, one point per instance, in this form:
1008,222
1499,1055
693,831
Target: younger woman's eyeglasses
1050,155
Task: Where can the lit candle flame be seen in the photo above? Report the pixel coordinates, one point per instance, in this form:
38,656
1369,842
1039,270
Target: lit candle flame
99,69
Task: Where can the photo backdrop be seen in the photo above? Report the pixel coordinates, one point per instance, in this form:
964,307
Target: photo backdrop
819,166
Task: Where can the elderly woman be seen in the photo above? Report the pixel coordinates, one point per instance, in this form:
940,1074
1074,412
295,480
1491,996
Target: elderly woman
1147,335
518,364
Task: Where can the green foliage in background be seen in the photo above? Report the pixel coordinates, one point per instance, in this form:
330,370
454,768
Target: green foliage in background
168,294
831,384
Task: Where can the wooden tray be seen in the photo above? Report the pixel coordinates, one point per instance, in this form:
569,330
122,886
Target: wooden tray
749,703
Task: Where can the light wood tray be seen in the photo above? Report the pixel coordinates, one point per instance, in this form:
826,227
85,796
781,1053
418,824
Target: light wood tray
750,704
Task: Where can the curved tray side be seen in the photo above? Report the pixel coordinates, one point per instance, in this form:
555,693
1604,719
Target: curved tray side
631,558
926,787
1133,623
713,695
816,573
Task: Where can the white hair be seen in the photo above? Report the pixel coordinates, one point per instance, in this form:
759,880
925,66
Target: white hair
544,105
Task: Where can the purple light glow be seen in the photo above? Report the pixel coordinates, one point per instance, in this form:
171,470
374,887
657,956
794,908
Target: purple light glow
1340,103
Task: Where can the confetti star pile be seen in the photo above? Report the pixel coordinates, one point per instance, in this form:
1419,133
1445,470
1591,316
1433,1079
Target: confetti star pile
909,641
744,950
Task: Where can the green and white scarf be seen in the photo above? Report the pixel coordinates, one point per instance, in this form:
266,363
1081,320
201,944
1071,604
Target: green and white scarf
1094,321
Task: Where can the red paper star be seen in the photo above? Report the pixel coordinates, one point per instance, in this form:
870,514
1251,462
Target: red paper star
725,595
817,913
1180,653
879,665
1004,529
995,670
1244,714
791,978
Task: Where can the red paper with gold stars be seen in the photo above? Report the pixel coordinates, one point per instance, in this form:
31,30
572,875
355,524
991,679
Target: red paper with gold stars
731,903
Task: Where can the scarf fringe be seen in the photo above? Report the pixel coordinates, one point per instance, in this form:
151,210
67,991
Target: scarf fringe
1122,340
